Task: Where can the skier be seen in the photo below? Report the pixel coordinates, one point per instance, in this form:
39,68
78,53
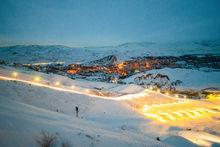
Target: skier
77,111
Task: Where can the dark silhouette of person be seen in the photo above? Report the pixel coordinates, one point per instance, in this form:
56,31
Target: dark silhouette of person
77,111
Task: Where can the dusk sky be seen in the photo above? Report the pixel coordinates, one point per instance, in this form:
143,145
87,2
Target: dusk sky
107,22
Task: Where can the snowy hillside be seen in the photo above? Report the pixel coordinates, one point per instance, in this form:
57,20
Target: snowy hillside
44,101
15,130
109,73
37,53
27,110
189,78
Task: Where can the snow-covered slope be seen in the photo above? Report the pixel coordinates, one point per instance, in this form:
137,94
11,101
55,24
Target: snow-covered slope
190,78
21,125
27,110
37,53
78,84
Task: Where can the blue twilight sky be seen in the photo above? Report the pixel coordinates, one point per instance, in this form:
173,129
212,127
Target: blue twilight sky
107,22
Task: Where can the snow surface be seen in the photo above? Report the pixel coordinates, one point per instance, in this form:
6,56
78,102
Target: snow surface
26,110
21,125
191,78
36,53
78,84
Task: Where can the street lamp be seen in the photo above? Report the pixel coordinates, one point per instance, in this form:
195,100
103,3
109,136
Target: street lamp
14,74
57,83
37,78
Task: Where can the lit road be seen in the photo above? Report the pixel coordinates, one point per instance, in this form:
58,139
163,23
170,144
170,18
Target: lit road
37,82
177,112
56,85
199,116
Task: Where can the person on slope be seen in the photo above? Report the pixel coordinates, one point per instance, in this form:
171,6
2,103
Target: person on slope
77,111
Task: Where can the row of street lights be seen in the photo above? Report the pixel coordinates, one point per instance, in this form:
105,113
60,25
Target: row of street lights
38,79
57,83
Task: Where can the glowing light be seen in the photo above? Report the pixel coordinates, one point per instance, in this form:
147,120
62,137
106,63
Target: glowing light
213,96
151,88
158,90
187,114
57,83
14,74
37,78
200,138
121,65
72,71
88,91
167,93
161,119
146,108
151,115
176,95
178,114
196,113
167,115
207,110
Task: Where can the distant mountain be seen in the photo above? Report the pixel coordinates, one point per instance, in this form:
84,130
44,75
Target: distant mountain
57,53
108,60
38,53
143,44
